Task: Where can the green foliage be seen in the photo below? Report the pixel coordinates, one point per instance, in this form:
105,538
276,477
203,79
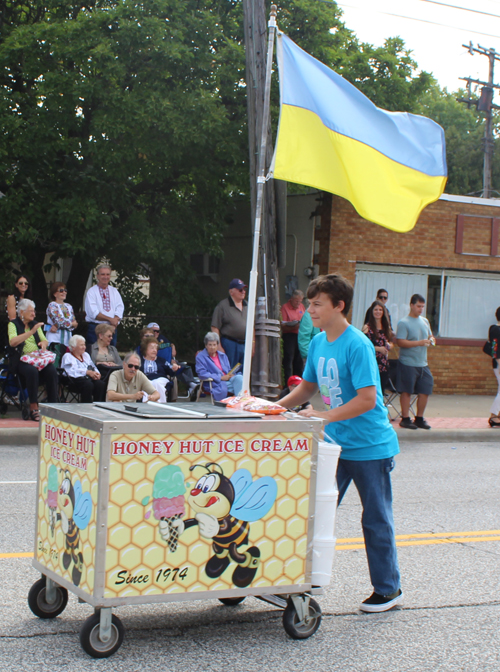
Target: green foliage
116,140
124,131
464,132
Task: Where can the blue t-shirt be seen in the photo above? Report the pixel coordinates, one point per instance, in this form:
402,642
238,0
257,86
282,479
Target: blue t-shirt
340,368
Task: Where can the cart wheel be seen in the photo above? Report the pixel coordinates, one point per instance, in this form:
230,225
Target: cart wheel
38,604
91,642
25,411
301,630
231,601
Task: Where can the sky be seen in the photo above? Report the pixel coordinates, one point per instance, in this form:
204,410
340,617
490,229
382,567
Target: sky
434,31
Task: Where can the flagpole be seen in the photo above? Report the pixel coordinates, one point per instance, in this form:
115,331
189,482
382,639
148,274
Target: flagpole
261,180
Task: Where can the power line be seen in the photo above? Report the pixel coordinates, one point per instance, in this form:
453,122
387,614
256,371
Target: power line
464,9
410,18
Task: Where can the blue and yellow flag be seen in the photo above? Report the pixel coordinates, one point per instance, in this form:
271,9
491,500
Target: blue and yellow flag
389,165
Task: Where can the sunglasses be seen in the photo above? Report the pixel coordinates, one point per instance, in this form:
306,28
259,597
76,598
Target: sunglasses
23,283
383,298
133,366
62,290
156,331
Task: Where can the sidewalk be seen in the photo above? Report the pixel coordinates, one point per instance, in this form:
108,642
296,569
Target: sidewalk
453,418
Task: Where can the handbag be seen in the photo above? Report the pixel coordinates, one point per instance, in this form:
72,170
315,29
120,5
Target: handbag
487,348
39,359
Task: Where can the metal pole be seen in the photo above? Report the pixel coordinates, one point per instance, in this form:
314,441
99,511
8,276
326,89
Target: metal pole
488,134
261,180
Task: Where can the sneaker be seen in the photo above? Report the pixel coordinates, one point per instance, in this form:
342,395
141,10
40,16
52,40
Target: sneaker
406,423
377,603
420,422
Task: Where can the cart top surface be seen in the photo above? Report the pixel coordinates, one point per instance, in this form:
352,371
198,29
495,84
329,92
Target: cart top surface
113,411
151,410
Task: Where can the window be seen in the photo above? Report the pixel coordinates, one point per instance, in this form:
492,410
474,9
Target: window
459,304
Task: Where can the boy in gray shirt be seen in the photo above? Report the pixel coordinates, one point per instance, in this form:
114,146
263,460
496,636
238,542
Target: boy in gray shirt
414,336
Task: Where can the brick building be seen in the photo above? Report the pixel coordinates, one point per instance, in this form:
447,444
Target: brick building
451,257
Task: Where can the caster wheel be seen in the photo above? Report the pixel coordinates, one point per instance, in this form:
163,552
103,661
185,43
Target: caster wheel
38,604
301,629
25,412
231,601
91,642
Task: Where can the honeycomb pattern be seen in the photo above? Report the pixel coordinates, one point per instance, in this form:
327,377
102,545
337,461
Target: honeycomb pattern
139,562
50,547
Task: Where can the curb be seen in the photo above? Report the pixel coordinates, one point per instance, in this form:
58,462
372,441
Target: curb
28,436
448,435
19,436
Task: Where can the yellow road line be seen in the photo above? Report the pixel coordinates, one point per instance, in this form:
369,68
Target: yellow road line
15,555
431,539
426,536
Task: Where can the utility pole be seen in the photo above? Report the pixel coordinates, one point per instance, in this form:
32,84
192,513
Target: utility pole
266,364
484,104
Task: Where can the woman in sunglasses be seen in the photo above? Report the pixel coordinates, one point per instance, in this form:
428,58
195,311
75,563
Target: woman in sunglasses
61,319
21,291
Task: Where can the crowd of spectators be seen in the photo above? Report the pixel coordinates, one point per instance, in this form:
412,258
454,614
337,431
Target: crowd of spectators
92,368
50,354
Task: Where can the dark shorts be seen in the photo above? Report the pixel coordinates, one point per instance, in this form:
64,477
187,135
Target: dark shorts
414,379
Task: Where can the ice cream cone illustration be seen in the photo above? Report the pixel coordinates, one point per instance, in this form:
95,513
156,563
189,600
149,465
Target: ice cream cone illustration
52,488
168,502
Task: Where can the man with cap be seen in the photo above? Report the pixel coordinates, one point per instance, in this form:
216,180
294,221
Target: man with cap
229,321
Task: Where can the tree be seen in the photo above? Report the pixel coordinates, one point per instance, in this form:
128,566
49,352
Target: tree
117,143
124,130
464,132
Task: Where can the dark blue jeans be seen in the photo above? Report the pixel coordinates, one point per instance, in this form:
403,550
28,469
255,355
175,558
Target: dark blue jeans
234,351
372,479
92,337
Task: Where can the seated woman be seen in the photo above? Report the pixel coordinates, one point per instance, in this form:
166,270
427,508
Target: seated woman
145,333
378,329
25,337
156,369
85,379
22,290
210,363
104,355
61,318
166,353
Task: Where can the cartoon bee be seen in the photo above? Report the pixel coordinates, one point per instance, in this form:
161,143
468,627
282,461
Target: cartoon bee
75,509
224,509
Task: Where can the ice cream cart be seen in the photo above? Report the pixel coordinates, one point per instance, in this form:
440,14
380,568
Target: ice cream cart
143,503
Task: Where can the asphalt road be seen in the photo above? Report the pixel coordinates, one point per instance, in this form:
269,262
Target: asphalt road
448,494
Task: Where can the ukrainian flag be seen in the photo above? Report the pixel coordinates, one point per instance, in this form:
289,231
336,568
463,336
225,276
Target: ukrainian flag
389,165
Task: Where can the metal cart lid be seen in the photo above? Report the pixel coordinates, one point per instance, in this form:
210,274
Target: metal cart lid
151,410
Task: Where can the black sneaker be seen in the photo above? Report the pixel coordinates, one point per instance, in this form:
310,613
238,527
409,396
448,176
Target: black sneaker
376,603
406,423
420,422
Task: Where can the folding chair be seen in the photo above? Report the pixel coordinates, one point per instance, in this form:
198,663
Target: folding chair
12,391
201,390
391,394
66,396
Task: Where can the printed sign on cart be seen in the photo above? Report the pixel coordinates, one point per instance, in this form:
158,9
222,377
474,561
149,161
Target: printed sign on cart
206,512
67,501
